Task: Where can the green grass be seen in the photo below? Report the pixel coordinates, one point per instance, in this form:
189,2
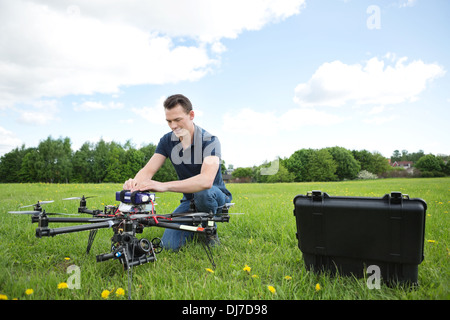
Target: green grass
264,239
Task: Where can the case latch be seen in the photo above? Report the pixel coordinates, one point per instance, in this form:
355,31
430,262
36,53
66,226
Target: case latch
397,197
316,195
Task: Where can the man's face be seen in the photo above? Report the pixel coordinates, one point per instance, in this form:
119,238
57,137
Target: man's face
179,121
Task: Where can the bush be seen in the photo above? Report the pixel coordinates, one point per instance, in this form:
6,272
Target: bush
426,174
366,175
438,174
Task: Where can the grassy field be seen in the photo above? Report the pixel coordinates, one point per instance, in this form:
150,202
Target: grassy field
258,258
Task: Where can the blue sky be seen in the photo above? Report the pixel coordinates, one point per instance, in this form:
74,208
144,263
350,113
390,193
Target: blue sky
267,77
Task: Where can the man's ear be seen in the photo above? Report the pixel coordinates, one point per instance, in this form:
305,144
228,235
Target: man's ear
191,114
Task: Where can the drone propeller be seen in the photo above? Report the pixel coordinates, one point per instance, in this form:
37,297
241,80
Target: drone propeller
79,198
227,205
37,204
194,214
25,212
169,215
187,214
233,213
36,213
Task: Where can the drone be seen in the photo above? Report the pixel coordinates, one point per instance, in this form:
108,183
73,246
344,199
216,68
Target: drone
135,212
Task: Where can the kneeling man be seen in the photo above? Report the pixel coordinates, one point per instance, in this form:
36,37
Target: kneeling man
195,155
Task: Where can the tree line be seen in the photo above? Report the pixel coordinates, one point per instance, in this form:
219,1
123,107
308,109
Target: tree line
54,161
337,164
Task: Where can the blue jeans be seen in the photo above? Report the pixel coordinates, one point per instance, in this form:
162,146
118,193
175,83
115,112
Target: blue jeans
205,201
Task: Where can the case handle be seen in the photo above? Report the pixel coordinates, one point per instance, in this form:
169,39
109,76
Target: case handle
317,195
397,197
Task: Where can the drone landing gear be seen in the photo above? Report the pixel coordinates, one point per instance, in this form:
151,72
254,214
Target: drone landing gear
207,243
92,234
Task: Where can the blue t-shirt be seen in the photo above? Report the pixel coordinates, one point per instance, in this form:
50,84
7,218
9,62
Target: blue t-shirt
188,163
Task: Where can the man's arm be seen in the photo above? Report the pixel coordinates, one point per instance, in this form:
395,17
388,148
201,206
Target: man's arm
200,182
146,173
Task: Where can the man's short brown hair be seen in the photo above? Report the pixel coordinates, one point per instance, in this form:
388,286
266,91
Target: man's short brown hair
178,99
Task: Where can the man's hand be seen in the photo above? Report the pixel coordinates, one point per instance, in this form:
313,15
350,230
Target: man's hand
150,185
146,185
130,184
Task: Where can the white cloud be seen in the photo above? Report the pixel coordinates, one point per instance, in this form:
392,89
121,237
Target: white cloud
94,105
251,122
8,141
376,110
205,20
336,83
83,55
42,112
153,114
255,123
250,137
87,47
407,3
380,120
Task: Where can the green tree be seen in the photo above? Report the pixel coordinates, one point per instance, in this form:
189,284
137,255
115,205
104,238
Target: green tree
114,167
378,164
446,168
11,163
396,156
148,151
134,161
52,160
283,175
100,161
321,167
82,163
242,172
28,171
64,162
364,158
346,165
166,172
372,162
298,164
430,163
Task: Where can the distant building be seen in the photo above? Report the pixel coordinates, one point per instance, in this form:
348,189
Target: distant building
402,164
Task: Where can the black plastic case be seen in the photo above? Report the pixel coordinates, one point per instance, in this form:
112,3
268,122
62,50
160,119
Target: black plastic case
348,234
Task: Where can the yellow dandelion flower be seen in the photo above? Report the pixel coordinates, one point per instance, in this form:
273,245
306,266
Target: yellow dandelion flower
62,285
318,288
255,276
120,292
105,294
288,278
247,268
209,270
271,289
29,291
67,258
431,241
3,297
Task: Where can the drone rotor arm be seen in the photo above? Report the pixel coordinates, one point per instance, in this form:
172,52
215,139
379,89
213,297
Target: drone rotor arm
46,232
